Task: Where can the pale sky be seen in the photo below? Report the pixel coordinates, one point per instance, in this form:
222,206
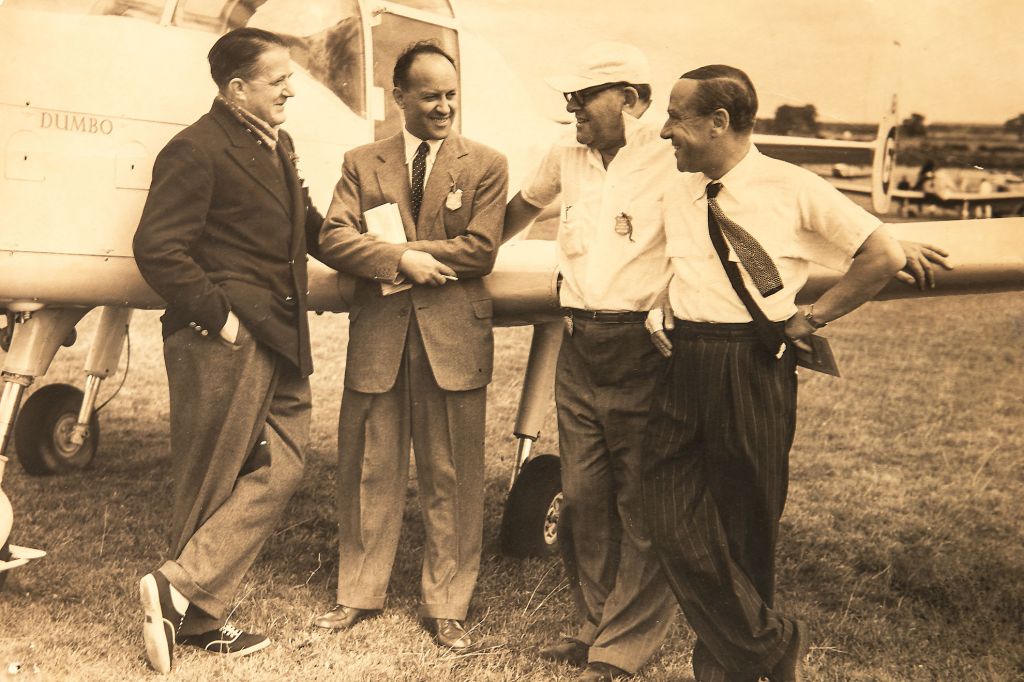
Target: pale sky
958,60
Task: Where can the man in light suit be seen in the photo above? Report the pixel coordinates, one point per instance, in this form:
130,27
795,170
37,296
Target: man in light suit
223,240
419,360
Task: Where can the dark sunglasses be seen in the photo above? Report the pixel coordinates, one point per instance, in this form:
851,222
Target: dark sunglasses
583,97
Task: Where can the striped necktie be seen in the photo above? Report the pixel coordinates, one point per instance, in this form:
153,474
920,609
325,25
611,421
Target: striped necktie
753,257
419,172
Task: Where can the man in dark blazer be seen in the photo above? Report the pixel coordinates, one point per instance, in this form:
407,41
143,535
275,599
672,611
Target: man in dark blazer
419,360
223,239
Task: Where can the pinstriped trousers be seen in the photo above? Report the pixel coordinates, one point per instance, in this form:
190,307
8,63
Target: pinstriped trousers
714,486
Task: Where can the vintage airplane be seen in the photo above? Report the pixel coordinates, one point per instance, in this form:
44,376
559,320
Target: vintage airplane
79,140
989,204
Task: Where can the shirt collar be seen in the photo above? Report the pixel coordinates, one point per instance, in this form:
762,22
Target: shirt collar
412,143
734,181
263,131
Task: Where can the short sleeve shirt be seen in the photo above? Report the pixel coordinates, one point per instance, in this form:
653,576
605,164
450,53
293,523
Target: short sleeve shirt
611,240
796,216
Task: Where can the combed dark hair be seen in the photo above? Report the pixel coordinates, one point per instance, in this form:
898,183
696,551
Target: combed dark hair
401,75
643,91
236,53
725,87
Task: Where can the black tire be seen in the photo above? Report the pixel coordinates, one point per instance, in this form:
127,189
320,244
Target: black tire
529,527
42,433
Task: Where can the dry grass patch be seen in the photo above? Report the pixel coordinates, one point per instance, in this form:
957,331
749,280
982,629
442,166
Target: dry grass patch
901,542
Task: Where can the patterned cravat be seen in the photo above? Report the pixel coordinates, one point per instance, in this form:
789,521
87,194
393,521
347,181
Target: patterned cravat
419,172
753,257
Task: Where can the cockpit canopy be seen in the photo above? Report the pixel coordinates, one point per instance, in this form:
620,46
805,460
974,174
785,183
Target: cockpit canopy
326,37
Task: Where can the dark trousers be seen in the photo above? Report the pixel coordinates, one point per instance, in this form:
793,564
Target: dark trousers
446,429
239,423
603,387
716,473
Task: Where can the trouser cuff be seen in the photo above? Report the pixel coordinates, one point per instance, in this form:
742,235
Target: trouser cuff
364,603
214,609
453,611
618,658
587,633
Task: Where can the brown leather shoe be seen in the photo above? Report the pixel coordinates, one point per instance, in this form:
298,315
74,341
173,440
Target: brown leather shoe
602,672
342,617
788,667
567,650
450,633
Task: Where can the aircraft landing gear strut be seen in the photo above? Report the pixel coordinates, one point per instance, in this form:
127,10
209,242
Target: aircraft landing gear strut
58,428
530,525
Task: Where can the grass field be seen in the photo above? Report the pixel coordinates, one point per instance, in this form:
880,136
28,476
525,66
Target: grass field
901,543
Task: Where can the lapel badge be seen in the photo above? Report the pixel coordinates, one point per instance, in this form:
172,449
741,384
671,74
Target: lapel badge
624,225
454,200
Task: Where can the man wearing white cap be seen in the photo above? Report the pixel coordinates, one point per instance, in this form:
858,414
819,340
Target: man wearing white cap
611,174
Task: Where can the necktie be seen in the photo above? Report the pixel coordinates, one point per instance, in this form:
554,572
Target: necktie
771,337
753,257
419,172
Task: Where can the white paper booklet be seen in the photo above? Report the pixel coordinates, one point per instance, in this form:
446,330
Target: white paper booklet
385,223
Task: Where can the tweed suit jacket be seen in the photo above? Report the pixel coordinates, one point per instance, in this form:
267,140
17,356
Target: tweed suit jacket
225,229
455,318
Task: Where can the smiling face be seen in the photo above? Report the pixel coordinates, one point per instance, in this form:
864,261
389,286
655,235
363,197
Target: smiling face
689,131
598,113
428,99
265,94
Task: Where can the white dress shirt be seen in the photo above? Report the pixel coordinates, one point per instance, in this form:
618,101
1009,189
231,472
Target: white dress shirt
602,268
412,143
796,216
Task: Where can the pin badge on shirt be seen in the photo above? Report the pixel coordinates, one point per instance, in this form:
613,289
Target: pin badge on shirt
453,202
624,225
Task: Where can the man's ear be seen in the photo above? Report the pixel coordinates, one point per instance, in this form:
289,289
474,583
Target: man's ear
234,90
630,95
399,97
720,122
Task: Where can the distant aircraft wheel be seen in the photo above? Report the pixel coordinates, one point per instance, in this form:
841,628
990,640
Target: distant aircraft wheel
530,524
42,435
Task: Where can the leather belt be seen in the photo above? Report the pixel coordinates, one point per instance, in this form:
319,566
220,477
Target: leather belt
606,315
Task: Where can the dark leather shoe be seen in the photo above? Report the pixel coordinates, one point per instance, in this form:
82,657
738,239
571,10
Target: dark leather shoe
342,617
450,633
602,672
571,651
788,667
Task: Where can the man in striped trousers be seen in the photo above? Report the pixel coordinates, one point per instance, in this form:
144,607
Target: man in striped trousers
741,230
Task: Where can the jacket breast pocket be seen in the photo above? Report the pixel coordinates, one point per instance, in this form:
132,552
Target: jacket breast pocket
457,211
483,309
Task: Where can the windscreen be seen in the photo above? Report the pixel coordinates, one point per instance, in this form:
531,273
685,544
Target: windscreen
325,38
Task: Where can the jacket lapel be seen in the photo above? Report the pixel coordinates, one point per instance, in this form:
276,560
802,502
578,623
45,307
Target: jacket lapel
298,212
439,183
393,178
245,152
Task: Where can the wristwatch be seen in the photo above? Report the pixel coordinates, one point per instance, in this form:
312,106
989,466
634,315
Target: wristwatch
809,316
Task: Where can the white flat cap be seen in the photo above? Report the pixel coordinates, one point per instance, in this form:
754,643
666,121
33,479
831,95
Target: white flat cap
604,62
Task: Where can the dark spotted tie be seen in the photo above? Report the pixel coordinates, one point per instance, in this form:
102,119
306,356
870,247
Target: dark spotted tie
753,257
419,172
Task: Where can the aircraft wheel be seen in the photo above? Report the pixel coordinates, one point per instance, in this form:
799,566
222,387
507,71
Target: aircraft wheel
42,435
530,525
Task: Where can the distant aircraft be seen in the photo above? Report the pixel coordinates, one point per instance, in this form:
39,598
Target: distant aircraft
80,127
992,204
